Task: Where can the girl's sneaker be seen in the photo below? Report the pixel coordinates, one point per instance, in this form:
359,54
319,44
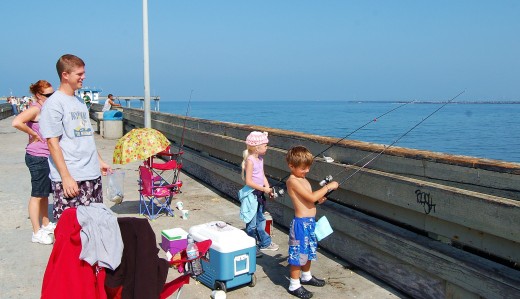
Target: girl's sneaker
49,227
42,237
271,247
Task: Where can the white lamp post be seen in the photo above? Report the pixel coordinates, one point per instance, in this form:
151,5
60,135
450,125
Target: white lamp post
147,114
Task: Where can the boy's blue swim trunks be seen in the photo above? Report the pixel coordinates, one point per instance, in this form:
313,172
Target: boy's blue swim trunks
302,241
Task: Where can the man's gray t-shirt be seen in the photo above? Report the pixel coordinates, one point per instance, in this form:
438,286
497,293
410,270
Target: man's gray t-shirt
67,117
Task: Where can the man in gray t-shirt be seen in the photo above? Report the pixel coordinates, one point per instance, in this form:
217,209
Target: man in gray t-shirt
76,166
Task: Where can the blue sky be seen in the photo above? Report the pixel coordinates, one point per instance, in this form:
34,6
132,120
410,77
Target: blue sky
271,49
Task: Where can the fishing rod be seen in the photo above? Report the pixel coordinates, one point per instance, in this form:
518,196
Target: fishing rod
366,124
278,191
180,152
184,125
390,145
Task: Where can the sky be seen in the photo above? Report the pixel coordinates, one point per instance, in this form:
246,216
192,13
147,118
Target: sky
270,50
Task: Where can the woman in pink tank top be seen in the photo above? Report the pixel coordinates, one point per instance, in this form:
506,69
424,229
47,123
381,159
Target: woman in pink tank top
36,159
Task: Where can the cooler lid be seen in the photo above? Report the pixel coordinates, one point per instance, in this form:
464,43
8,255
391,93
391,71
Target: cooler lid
174,234
225,238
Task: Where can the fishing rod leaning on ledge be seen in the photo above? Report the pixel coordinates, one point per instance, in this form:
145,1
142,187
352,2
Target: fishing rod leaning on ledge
329,177
184,125
177,156
279,191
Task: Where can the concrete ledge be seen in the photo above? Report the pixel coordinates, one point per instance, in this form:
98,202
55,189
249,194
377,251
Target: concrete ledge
6,110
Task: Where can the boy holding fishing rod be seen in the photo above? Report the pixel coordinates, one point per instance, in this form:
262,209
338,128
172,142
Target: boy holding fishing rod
302,239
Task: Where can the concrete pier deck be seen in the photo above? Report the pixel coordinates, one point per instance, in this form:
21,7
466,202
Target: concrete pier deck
23,263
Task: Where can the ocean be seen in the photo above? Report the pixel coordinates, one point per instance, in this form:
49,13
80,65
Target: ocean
488,130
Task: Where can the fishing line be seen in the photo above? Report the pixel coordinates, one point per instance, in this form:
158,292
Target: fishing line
279,191
369,122
390,145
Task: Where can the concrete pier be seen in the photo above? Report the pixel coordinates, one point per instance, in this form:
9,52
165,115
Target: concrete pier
23,263
432,225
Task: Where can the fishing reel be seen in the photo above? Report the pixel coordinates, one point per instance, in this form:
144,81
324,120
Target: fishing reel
278,192
326,180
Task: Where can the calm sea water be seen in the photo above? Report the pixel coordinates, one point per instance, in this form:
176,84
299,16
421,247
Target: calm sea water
480,130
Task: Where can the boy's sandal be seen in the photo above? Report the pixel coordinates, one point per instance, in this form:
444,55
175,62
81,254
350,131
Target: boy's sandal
301,292
314,282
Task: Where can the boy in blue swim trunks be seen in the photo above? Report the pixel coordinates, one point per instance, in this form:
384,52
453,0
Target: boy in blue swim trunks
302,239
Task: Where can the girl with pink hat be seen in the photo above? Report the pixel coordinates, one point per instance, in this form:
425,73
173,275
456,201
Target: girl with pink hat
253,175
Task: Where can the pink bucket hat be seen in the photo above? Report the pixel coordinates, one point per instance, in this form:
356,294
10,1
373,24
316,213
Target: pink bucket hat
256,138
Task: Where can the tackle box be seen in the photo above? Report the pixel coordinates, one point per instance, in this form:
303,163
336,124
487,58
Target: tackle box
174,240
231,259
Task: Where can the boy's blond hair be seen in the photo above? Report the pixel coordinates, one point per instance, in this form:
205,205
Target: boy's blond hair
299,156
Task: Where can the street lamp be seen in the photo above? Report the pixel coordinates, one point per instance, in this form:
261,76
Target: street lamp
147,114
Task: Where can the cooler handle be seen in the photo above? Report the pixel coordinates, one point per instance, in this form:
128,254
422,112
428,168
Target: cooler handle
241,258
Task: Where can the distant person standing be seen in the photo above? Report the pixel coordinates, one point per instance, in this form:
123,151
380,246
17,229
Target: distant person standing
109,103
76,166
87,100
14,103
36,159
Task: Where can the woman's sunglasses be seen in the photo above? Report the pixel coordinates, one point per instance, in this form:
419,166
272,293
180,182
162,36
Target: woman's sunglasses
47,94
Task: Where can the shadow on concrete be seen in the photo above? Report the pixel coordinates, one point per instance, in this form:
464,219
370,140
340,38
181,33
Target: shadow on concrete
126,207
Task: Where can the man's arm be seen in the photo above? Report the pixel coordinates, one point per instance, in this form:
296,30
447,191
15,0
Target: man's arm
105,168
113,104
70,186
20,122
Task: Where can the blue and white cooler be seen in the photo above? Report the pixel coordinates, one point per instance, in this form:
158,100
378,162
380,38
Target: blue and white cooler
231,259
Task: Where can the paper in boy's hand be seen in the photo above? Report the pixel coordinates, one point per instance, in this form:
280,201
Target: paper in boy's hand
323,228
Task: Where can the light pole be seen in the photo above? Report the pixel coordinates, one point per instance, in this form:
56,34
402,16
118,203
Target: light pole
147,114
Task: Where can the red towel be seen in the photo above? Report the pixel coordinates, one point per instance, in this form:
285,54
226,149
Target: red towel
66,276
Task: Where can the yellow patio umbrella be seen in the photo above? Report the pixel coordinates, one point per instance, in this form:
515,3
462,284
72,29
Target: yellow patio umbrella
139,144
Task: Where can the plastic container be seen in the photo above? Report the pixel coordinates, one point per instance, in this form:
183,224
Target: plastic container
268,224
192,253
232,256
112,115
116,184
112,124
174,240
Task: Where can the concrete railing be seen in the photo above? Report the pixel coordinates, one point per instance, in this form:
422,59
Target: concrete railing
6,110
430,224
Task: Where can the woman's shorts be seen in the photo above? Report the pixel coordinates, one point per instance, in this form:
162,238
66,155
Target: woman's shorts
302,241
40,181
89,192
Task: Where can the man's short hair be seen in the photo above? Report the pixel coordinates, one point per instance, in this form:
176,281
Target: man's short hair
67,63
299,156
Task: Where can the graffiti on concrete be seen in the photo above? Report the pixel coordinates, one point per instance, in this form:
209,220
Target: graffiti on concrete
426,200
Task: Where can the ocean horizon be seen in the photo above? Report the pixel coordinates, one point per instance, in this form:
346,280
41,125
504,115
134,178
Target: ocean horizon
489,130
